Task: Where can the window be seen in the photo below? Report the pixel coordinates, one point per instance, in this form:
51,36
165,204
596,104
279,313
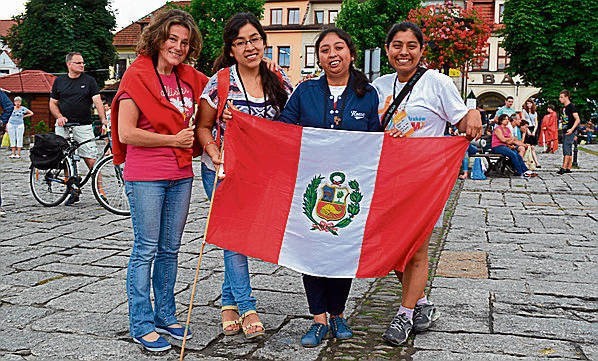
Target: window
499,8
486,63
284,56
293,16
332,14
276,17
268,52
502,61
121,66
319,17
310,56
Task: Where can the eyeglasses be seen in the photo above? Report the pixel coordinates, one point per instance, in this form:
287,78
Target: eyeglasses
243,43
78,62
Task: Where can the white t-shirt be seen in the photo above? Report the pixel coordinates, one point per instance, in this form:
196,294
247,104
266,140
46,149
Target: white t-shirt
433,101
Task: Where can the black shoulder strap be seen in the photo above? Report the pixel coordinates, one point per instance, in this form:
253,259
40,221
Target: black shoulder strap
397,101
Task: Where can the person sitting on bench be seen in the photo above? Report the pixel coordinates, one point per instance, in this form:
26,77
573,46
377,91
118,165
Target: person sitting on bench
501,140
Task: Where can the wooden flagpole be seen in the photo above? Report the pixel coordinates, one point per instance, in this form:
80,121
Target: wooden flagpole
203,244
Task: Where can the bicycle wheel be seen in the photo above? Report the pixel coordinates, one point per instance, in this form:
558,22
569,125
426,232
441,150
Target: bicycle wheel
108,187
49,186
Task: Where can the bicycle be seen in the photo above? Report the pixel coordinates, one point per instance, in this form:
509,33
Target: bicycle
50,187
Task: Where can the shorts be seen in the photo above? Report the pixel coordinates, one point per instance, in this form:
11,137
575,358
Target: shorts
82,133
568,143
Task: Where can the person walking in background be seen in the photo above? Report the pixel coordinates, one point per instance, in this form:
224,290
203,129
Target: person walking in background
151,131
571,121
433,101
550,130
505,109
16,127
7,108
70,101
530,115
253,89
343,99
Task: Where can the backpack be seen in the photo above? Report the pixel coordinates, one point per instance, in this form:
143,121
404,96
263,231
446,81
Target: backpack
48,150
477,172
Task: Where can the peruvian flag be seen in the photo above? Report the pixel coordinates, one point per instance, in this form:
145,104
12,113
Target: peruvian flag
330,203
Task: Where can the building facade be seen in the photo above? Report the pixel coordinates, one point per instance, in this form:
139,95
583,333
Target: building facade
489,82
293,27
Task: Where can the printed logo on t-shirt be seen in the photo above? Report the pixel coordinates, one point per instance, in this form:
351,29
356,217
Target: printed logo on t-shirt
357,115
417,122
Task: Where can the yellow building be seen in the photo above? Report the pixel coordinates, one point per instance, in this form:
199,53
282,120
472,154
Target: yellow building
292,28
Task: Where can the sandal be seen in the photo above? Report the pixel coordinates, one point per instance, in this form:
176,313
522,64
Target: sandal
249,326
226,324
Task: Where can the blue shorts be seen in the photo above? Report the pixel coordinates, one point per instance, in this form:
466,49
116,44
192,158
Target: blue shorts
568,143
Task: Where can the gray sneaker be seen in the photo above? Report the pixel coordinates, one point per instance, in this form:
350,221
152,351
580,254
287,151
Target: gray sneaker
423,316
399,330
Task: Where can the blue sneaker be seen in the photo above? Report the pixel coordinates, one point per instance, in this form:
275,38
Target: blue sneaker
314,336
156,346
339,328
177,332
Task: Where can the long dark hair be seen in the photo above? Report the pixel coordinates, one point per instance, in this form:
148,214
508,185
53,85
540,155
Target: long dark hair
273,88
359,81
405,26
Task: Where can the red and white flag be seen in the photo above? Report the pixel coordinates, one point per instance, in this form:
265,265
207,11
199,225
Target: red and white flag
330,203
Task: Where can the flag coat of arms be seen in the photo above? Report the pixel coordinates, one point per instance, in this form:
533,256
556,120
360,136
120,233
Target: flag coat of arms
330,203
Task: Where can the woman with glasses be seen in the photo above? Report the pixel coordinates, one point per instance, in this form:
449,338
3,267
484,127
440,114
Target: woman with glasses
253,89
341,99
152,130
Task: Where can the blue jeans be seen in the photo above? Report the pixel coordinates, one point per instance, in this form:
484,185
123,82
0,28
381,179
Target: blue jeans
236,288
159,213
471,150
515,158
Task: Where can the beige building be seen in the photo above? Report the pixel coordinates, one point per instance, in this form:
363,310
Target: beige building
490,83
292,28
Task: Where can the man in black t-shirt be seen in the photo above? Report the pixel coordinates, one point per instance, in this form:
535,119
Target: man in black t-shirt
570,121
70,101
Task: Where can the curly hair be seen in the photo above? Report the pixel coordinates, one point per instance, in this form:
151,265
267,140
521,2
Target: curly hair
156,33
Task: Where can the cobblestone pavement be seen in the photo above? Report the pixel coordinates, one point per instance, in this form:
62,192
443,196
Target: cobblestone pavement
516,280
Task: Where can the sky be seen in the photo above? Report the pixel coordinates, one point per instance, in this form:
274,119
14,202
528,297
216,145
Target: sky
126,11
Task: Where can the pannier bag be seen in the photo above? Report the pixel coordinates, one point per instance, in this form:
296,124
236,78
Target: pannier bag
47,150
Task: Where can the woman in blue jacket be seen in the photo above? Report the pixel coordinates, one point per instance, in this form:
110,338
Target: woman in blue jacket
340,99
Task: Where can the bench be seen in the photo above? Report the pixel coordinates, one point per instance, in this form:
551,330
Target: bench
497,163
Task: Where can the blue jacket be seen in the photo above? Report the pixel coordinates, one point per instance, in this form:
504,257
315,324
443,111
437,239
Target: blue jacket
311,105
7,107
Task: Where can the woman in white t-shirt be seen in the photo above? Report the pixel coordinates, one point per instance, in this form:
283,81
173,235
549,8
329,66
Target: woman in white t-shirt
433,101
16,127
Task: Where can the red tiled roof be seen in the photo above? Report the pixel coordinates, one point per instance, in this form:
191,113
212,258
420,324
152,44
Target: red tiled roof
28,81
128,36
5,25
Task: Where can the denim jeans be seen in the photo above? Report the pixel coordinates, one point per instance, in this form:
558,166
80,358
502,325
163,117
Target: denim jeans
236,288
515,158
159,213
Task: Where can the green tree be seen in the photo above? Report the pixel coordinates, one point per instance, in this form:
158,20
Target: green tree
368,22
553,45
211,16
49,29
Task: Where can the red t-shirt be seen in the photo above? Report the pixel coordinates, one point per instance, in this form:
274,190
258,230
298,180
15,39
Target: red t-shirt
159,163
